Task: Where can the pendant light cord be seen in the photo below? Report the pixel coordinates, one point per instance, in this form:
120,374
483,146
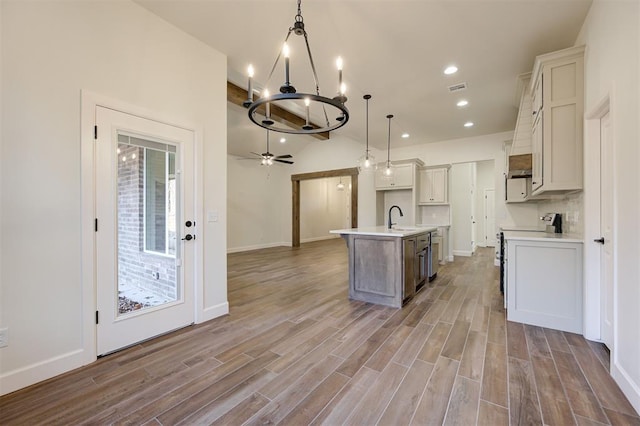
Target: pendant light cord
367,97
298,18
389,140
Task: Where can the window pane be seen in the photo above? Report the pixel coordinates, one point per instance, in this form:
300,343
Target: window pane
155,200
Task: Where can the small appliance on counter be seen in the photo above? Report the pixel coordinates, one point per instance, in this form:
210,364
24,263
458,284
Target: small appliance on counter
553,222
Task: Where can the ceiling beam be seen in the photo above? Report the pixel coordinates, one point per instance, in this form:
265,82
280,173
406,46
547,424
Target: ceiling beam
237,95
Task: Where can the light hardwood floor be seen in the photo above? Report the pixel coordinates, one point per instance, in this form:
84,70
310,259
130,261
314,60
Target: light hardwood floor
294,350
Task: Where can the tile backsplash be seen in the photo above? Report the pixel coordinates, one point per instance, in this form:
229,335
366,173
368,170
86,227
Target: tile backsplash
572,210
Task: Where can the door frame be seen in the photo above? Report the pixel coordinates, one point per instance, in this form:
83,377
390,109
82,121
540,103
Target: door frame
592,197
295,197
88,104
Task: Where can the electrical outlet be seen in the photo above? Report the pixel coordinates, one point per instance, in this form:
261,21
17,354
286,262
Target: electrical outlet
4,337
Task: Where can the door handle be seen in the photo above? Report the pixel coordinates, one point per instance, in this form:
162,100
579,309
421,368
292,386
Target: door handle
599,240
189,237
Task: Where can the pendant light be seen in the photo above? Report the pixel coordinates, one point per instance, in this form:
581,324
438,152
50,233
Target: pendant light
367,162
340,185
333,109
388,171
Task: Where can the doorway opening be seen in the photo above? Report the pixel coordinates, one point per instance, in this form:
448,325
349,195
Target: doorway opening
296,193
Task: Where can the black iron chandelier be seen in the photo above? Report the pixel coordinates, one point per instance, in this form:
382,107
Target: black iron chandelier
333,109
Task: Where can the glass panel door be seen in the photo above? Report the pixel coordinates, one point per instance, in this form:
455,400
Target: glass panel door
147,221
145,270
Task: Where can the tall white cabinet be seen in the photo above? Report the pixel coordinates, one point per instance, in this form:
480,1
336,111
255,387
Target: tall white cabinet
557,92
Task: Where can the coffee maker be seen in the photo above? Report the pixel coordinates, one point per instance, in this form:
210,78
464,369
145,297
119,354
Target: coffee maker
553,222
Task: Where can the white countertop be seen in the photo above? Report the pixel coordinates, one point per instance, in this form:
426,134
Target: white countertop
521,228
542,236
383,231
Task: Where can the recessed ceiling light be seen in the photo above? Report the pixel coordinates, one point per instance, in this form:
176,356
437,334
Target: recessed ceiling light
468,124
462,102
282,140
451,69
405,135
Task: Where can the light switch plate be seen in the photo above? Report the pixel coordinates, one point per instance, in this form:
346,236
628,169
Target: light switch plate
212,216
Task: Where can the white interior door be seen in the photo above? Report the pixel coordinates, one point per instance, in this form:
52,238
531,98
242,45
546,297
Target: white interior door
144,210
606,229
489,218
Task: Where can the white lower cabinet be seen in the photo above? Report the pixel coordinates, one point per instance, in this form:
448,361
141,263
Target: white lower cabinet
544,284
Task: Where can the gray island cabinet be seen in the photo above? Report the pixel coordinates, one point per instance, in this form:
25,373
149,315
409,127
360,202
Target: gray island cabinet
386,266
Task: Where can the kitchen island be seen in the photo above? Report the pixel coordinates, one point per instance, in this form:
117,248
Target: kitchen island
387,266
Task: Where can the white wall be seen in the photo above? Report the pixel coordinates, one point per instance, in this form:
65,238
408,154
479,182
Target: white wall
50,52
338,152
323,208
611,33
256,203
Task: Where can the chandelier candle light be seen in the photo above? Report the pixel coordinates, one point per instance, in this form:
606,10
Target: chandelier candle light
289,98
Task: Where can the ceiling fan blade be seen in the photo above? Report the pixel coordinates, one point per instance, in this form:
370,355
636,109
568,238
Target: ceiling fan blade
284,156
283,161
255,153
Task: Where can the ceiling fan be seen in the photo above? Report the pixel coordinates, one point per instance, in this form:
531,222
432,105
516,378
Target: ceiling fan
267,158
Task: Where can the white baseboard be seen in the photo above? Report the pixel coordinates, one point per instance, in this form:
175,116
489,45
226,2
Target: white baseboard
327,237
213,312
450,259
627,385
31,374
257,247
465,253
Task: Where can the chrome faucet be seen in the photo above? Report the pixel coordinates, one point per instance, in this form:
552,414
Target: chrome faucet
391,208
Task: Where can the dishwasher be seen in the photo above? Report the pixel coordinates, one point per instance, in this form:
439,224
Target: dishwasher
433,257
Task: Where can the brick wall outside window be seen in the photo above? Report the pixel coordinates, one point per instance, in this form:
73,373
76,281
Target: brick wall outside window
154,273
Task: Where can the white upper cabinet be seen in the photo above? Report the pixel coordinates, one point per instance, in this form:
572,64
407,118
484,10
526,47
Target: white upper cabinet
433,185
401,178
558,108
516,190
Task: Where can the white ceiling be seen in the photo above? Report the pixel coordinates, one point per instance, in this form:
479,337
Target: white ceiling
395,50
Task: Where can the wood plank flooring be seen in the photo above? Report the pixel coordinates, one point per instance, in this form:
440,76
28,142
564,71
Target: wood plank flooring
295,351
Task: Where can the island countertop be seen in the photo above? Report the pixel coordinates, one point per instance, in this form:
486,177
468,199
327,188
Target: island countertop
542,236
383,231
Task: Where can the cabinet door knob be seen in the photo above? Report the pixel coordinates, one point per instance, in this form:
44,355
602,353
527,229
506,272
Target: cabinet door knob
599,240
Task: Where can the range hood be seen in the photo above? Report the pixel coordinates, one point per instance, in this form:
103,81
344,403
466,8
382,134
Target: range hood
520,166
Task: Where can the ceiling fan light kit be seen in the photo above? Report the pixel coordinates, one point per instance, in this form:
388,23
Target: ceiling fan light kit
267,158
333,109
